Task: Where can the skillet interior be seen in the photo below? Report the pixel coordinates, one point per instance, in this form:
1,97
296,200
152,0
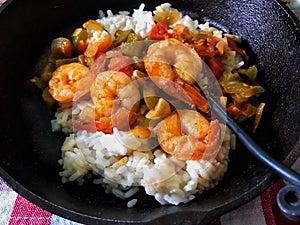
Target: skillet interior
29,153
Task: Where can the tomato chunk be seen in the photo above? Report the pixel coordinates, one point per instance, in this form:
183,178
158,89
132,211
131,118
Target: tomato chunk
216,66
160,31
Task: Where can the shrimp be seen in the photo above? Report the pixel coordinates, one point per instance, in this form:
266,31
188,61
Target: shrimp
161,57
65,81
94,55
87,81
116,100
120,63
187,135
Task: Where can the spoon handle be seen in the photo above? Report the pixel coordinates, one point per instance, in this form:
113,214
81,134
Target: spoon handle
284,172
290,207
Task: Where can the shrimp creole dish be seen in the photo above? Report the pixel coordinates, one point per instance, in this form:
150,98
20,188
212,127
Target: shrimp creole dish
130,95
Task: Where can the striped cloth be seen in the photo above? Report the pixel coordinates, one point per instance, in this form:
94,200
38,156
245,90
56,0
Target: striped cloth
263,210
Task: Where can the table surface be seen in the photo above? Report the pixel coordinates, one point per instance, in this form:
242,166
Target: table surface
263,210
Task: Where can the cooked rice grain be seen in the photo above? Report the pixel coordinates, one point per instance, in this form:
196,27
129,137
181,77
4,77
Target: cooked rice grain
168,179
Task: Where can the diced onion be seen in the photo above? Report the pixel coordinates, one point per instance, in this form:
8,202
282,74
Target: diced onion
258,115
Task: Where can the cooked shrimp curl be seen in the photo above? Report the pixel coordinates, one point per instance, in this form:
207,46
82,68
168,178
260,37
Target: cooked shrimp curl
116,100
174,68
65,80
187,135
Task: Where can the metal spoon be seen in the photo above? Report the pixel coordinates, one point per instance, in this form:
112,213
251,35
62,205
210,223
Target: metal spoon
290,207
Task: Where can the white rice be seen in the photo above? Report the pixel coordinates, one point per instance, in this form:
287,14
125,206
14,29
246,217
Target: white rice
63,121
131,203
168,179
140,21
122,170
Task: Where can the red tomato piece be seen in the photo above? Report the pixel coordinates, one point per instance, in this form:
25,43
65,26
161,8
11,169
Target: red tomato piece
82,46
234,111
216,66
233,45
160,31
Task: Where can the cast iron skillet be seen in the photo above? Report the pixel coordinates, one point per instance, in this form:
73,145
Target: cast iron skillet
29,151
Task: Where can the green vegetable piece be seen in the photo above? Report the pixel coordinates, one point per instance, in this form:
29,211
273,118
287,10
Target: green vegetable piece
136,48
47,71
89,61
150,96
48,98
61,48
133,37
78,35
132,49
162,109
59,62
167,16
138,64
201,34
250,73
243,89
121,36
227,77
